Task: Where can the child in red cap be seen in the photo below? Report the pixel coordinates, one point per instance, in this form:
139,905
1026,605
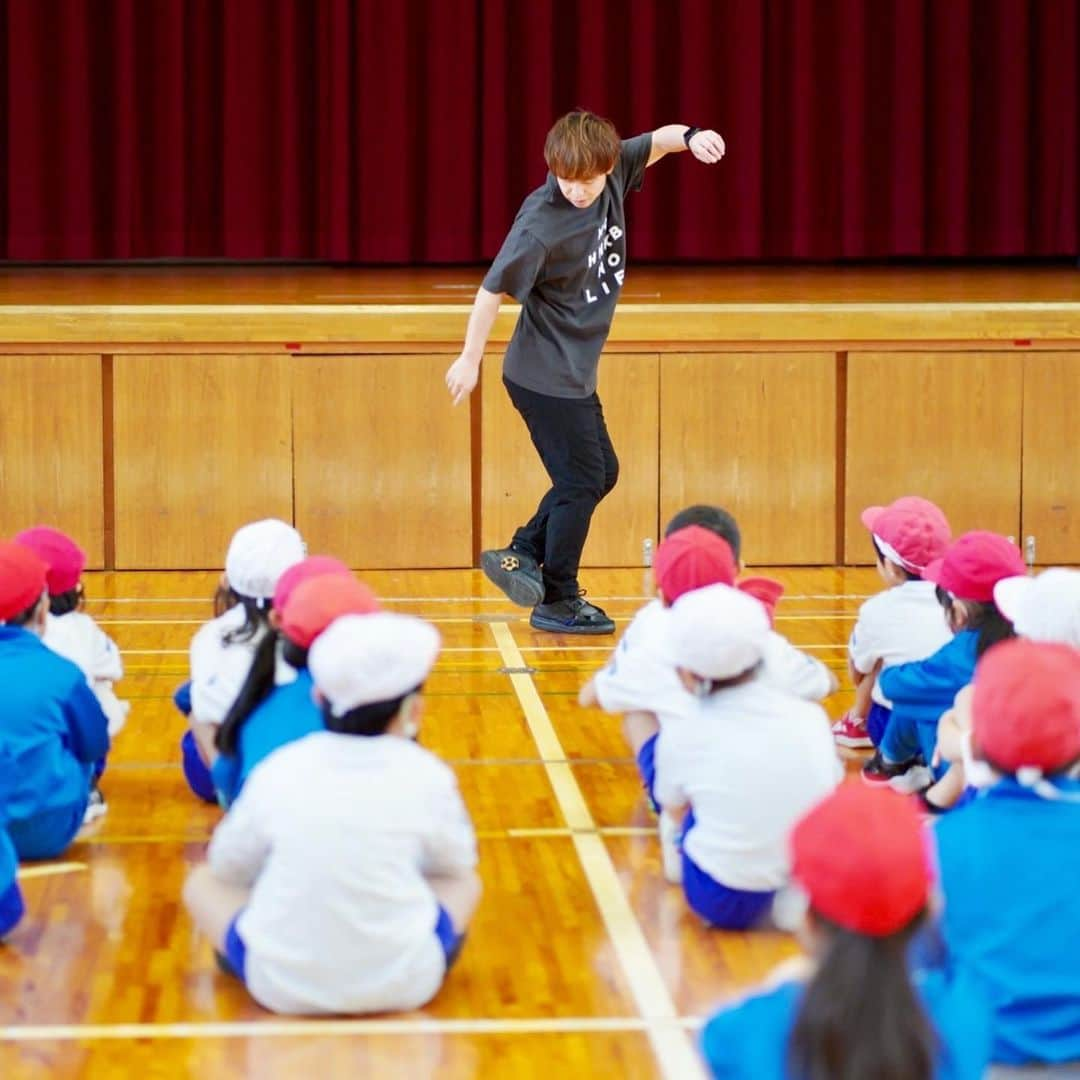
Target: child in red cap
72,633
54,731
923,690
275,705
700,548
901,624
1008,859
850,1010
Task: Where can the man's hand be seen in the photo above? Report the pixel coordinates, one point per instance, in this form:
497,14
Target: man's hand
461,377
707,146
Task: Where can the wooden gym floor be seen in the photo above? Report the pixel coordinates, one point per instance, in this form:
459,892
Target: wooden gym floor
581,961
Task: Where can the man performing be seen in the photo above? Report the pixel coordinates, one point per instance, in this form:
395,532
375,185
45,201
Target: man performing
564,261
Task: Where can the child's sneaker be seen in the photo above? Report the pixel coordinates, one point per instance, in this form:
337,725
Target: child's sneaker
879,771
96,806
917,778
850,731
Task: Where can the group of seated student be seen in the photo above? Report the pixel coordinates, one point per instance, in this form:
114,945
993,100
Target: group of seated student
937,895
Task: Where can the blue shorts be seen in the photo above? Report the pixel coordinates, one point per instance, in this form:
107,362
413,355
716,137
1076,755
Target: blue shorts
196,773
11,908
646,763
234,961
47,834
720,906
877,720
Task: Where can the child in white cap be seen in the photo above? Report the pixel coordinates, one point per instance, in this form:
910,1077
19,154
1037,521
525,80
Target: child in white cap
223,649
343,878
1042,608
746,763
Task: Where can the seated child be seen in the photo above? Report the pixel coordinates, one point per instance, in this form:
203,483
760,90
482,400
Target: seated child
72,633
923,690
850,1010
639,680
222,650
1008,864
11,899
276,705
901,624
53,730
342,879
745,759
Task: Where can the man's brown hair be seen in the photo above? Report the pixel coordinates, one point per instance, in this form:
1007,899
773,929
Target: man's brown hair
581,145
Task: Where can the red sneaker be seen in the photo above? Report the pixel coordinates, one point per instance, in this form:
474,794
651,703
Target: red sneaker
850,731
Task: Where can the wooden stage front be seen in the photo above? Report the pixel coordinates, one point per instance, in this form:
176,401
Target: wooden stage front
152,410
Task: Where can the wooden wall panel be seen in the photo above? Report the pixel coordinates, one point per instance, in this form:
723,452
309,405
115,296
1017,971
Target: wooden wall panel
513,480
51,447
1051,492
382,461
202,445
755,433
943,425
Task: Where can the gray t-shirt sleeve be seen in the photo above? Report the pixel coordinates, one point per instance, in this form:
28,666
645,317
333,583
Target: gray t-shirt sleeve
517,266
630,168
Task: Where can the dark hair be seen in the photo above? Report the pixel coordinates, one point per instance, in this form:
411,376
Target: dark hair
581,145
881,557
717,685
860,1015
713,518
256,614
24,616
371,719
984,618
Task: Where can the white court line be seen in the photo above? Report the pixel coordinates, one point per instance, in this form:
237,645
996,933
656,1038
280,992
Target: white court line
247,1029
48,869
672,1048
640,599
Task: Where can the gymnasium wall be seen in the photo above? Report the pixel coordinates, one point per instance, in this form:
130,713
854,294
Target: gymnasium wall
407,131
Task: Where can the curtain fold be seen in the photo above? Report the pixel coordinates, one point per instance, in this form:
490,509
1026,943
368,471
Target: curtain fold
408,131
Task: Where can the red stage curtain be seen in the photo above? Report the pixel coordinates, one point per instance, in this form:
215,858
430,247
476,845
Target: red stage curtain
409,130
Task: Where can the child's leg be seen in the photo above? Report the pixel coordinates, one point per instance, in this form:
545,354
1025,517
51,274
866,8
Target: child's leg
641,730
213,904
877,720
900,742
11,901
48,834
945,794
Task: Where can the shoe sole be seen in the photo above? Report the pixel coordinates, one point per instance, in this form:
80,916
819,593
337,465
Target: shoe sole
553,626
522,587
852,742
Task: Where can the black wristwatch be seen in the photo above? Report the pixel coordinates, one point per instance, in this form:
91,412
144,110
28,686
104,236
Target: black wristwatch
689,134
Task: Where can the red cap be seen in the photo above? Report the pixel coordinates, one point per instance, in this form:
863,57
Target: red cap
690,559
22,579
860,855
975,564
64,558
312,567
1025,710
912,529
765,591
316,603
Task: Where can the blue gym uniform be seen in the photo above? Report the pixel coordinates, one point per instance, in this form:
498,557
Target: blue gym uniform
920,692
288,713
1010,872
749,1041
54,732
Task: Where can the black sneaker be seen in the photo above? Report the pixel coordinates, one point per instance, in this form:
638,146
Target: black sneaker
879,771
573,616
516,574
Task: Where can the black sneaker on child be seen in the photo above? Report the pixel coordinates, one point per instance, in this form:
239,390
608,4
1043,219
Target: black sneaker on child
516,573
879,771
572,616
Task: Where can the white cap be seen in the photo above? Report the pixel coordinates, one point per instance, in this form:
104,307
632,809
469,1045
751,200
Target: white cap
259,554
1043,608
362,659
717,632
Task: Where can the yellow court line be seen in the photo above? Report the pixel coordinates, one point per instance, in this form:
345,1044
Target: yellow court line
673,1050
247,1029
48,869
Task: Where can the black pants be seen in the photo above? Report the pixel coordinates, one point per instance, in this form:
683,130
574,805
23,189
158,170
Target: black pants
573,443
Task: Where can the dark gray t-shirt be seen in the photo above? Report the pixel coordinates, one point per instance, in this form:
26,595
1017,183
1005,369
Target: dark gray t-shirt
565,266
